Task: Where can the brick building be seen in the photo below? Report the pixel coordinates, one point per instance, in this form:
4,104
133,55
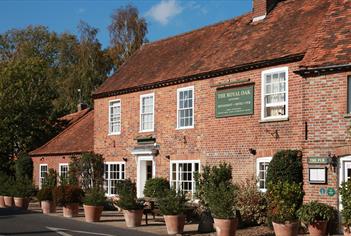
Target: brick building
237,92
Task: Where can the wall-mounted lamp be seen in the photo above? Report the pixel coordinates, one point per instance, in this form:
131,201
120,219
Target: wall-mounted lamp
252,151
168,157
333,161
125,159
42,159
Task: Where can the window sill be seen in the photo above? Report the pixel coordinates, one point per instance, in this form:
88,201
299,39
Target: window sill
113,134
182,128
348,115
274,120
146,131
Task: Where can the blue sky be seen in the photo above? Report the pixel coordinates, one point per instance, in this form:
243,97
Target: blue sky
165,17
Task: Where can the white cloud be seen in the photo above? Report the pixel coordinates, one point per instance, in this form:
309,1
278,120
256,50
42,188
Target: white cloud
164,11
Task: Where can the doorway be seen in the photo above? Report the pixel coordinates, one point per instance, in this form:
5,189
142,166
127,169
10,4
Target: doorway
145,170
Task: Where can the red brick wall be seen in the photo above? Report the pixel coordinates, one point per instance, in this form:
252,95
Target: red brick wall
213,140
52,162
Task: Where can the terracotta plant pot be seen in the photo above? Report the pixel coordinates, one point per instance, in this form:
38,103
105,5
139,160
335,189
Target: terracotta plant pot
71,210
92,213
225,227
175,223
8,201
318,229
133,217
347,231
288,229
48,207
2,202
21,202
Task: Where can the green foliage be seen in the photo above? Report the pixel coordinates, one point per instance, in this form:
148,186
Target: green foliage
24,188
3,179
251,203
286,165
45,194
9,186
314,211
67,194
172,202
127,34
95,197
87,170
50,179
24,166
156,187
216,183
127,196
345,192
284,199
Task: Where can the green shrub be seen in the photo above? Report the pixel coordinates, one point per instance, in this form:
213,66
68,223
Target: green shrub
50,180
95,197
216,190
24,188
127,196
24,166
67,194
345,192
284,199
172,203
251,203
286,165
156,187
3,180
314,211
45,194
9,187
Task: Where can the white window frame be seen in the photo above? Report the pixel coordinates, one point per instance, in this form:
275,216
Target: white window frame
108,187
40,177
193,107
109,117
286,103
177,162
258,161
60,171
153,112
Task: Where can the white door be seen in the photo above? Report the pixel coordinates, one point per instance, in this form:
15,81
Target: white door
145,170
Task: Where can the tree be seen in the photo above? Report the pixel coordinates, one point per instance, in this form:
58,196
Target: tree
24,167
127,34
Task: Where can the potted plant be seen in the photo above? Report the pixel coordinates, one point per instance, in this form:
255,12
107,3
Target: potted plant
69,197
345,192
284,199
172,207
93,204
3,179
23,191
128,202
46,199
316,215
8,192
156,187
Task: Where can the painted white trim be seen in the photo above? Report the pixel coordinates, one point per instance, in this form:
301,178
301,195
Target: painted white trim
153,112
109,117
63,164
342,161
140,159
270,71
108,163
193,106
258,18
258,161
177,162
47,169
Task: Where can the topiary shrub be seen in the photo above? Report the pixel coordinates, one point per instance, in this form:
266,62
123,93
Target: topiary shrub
251,203
50,180
68,194
94,197
24,188
127,196
172,203
315,211
45,194
156,187
285,166
345,192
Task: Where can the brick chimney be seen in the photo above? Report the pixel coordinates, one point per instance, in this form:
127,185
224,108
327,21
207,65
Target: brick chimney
261,8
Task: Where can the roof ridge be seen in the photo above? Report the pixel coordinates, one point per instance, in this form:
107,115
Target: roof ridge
197,29
62,132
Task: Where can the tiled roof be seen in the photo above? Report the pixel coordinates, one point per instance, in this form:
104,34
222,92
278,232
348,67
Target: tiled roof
292,28
73,117
77,138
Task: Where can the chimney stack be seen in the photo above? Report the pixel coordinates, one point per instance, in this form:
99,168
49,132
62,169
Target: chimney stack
261,8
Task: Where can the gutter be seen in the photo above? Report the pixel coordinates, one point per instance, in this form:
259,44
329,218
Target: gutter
205,75
323,70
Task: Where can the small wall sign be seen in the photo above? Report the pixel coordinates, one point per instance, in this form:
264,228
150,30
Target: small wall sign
318,160
322,191
235,101
317,175
331,192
